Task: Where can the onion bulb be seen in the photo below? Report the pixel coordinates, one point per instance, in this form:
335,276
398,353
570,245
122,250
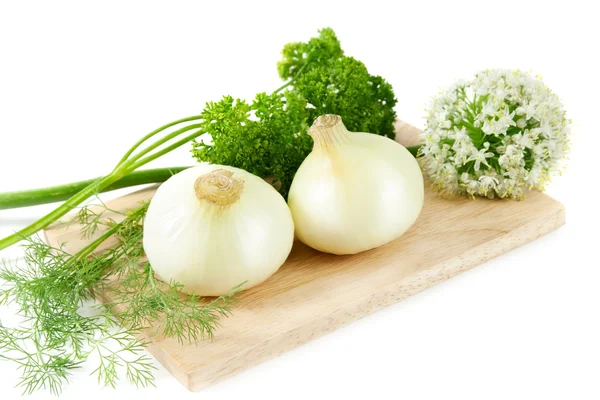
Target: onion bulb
354,191
212,227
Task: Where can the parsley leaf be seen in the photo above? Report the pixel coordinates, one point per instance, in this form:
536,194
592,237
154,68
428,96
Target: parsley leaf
268,137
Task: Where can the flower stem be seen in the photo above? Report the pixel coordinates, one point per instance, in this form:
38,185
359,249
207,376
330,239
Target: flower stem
166,150
132,159
53,194
63,209
126,166
154,132
414,150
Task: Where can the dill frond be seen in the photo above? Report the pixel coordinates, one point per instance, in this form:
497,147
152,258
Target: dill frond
52,286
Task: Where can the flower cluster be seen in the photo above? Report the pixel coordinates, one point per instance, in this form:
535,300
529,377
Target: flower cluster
496,135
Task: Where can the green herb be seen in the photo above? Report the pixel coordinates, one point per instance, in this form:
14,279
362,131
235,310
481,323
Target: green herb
52,287
268,136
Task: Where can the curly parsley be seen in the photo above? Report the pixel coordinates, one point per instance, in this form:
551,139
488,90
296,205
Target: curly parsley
268,136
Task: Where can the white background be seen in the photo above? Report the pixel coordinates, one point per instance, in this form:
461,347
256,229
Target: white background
81,81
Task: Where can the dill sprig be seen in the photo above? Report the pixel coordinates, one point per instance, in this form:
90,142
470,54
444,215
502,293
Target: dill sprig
53,286
147,301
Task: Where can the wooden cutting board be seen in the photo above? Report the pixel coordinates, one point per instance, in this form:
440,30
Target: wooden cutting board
314,293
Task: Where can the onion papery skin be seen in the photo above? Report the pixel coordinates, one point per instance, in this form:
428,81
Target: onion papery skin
210,246
355,191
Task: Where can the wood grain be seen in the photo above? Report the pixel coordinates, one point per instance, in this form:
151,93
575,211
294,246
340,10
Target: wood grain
314,293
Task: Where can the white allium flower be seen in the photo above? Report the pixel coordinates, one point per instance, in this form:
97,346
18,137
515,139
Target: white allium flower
495,136
480,157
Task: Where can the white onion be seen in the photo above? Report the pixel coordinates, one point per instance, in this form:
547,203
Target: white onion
354,191
213,227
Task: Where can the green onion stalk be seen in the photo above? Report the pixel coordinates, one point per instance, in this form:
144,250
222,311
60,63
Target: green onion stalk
125,174
54,194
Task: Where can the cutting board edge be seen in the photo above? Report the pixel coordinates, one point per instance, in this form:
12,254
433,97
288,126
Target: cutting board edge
273,347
